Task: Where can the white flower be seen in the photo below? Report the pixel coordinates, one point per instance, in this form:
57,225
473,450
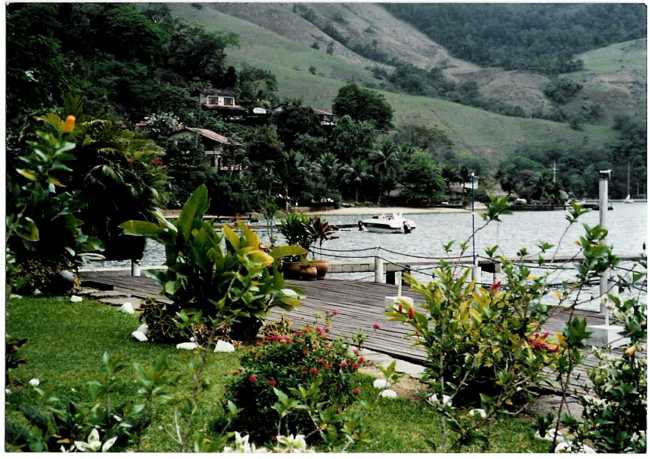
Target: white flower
140,336
34,382
187,346
446,400
127,308
243,446
480,411
388,393
37,291
550,434
94,444
292,444
76,299
566,447
380,384
223,346
8,392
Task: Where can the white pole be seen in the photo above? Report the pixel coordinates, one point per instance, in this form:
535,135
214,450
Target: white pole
603,195
398,280
379,270
135,268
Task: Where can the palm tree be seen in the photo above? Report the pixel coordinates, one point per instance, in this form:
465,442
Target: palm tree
387,166
355,174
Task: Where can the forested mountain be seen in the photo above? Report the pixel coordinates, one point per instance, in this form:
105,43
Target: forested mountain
543,38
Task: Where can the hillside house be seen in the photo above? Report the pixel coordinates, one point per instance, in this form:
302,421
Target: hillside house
326,118
222,101
218,148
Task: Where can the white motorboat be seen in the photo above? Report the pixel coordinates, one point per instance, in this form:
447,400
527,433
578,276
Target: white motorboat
394,223
628,200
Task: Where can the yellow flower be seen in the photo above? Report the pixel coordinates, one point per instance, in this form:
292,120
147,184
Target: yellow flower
69,124
556,294
630,351
532,277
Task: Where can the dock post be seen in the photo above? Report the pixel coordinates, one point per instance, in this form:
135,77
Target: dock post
379,270
603,185
135,268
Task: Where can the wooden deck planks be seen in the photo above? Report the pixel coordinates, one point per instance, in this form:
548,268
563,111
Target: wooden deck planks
359,305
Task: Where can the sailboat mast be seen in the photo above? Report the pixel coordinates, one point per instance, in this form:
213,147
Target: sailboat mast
628,179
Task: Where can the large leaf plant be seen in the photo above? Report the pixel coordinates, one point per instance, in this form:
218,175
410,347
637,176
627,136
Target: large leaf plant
224,276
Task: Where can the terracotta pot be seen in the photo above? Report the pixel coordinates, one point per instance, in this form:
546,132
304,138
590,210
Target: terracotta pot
300,270
322,267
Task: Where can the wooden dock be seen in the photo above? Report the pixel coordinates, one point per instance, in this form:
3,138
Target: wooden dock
358,306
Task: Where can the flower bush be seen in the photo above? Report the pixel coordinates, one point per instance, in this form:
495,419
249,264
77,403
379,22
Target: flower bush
316,371
481,341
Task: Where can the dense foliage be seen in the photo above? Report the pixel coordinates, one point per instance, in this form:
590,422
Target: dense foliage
316,372
363,104
529,174
237,285
542,38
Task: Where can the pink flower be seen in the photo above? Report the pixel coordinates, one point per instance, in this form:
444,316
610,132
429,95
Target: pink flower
313,371
272,382
356,391
495,286
252,379
376,326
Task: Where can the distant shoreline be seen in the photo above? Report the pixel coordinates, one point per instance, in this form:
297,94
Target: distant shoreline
389,210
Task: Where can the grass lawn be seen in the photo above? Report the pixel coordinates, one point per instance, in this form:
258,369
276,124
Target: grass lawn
67,340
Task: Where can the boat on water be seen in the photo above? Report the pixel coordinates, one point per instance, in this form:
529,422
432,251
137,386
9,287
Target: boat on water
628,200
393,223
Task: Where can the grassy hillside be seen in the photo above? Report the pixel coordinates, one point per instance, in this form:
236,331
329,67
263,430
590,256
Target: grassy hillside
615,77
471,129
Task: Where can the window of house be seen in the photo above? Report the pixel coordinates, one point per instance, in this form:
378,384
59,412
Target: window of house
229,101
212,100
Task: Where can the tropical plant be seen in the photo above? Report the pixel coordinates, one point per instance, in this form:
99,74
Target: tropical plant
43,229
237,284
295,227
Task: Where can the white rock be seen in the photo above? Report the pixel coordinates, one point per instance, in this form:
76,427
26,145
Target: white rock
15,296
76,299
380,384
127,308
187,346
139,336
37,291
480,411
143,328
34,382
223,346
388,393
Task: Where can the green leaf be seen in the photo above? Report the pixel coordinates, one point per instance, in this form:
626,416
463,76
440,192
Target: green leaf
140,228
28,230
194,208
29,175
232,236
286,251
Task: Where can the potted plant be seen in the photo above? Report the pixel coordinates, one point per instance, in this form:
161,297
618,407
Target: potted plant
321,231
300,229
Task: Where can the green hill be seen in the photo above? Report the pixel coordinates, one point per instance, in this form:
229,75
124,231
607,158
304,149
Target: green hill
471,129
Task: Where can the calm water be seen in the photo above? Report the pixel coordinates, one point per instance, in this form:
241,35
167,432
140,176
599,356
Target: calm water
626,223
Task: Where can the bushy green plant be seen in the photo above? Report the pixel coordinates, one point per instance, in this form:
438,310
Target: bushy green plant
88,419
316,372
43,230
226,277
614,418
295,227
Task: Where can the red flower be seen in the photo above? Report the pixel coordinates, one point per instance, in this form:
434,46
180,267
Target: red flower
496,285
376,326
411,313
252,379
361,360
332,313
156,162
356,390
355,366
313,371
272,382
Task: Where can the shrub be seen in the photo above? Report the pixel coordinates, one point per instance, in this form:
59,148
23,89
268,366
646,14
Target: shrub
237,284
480,341
304,360
43,228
